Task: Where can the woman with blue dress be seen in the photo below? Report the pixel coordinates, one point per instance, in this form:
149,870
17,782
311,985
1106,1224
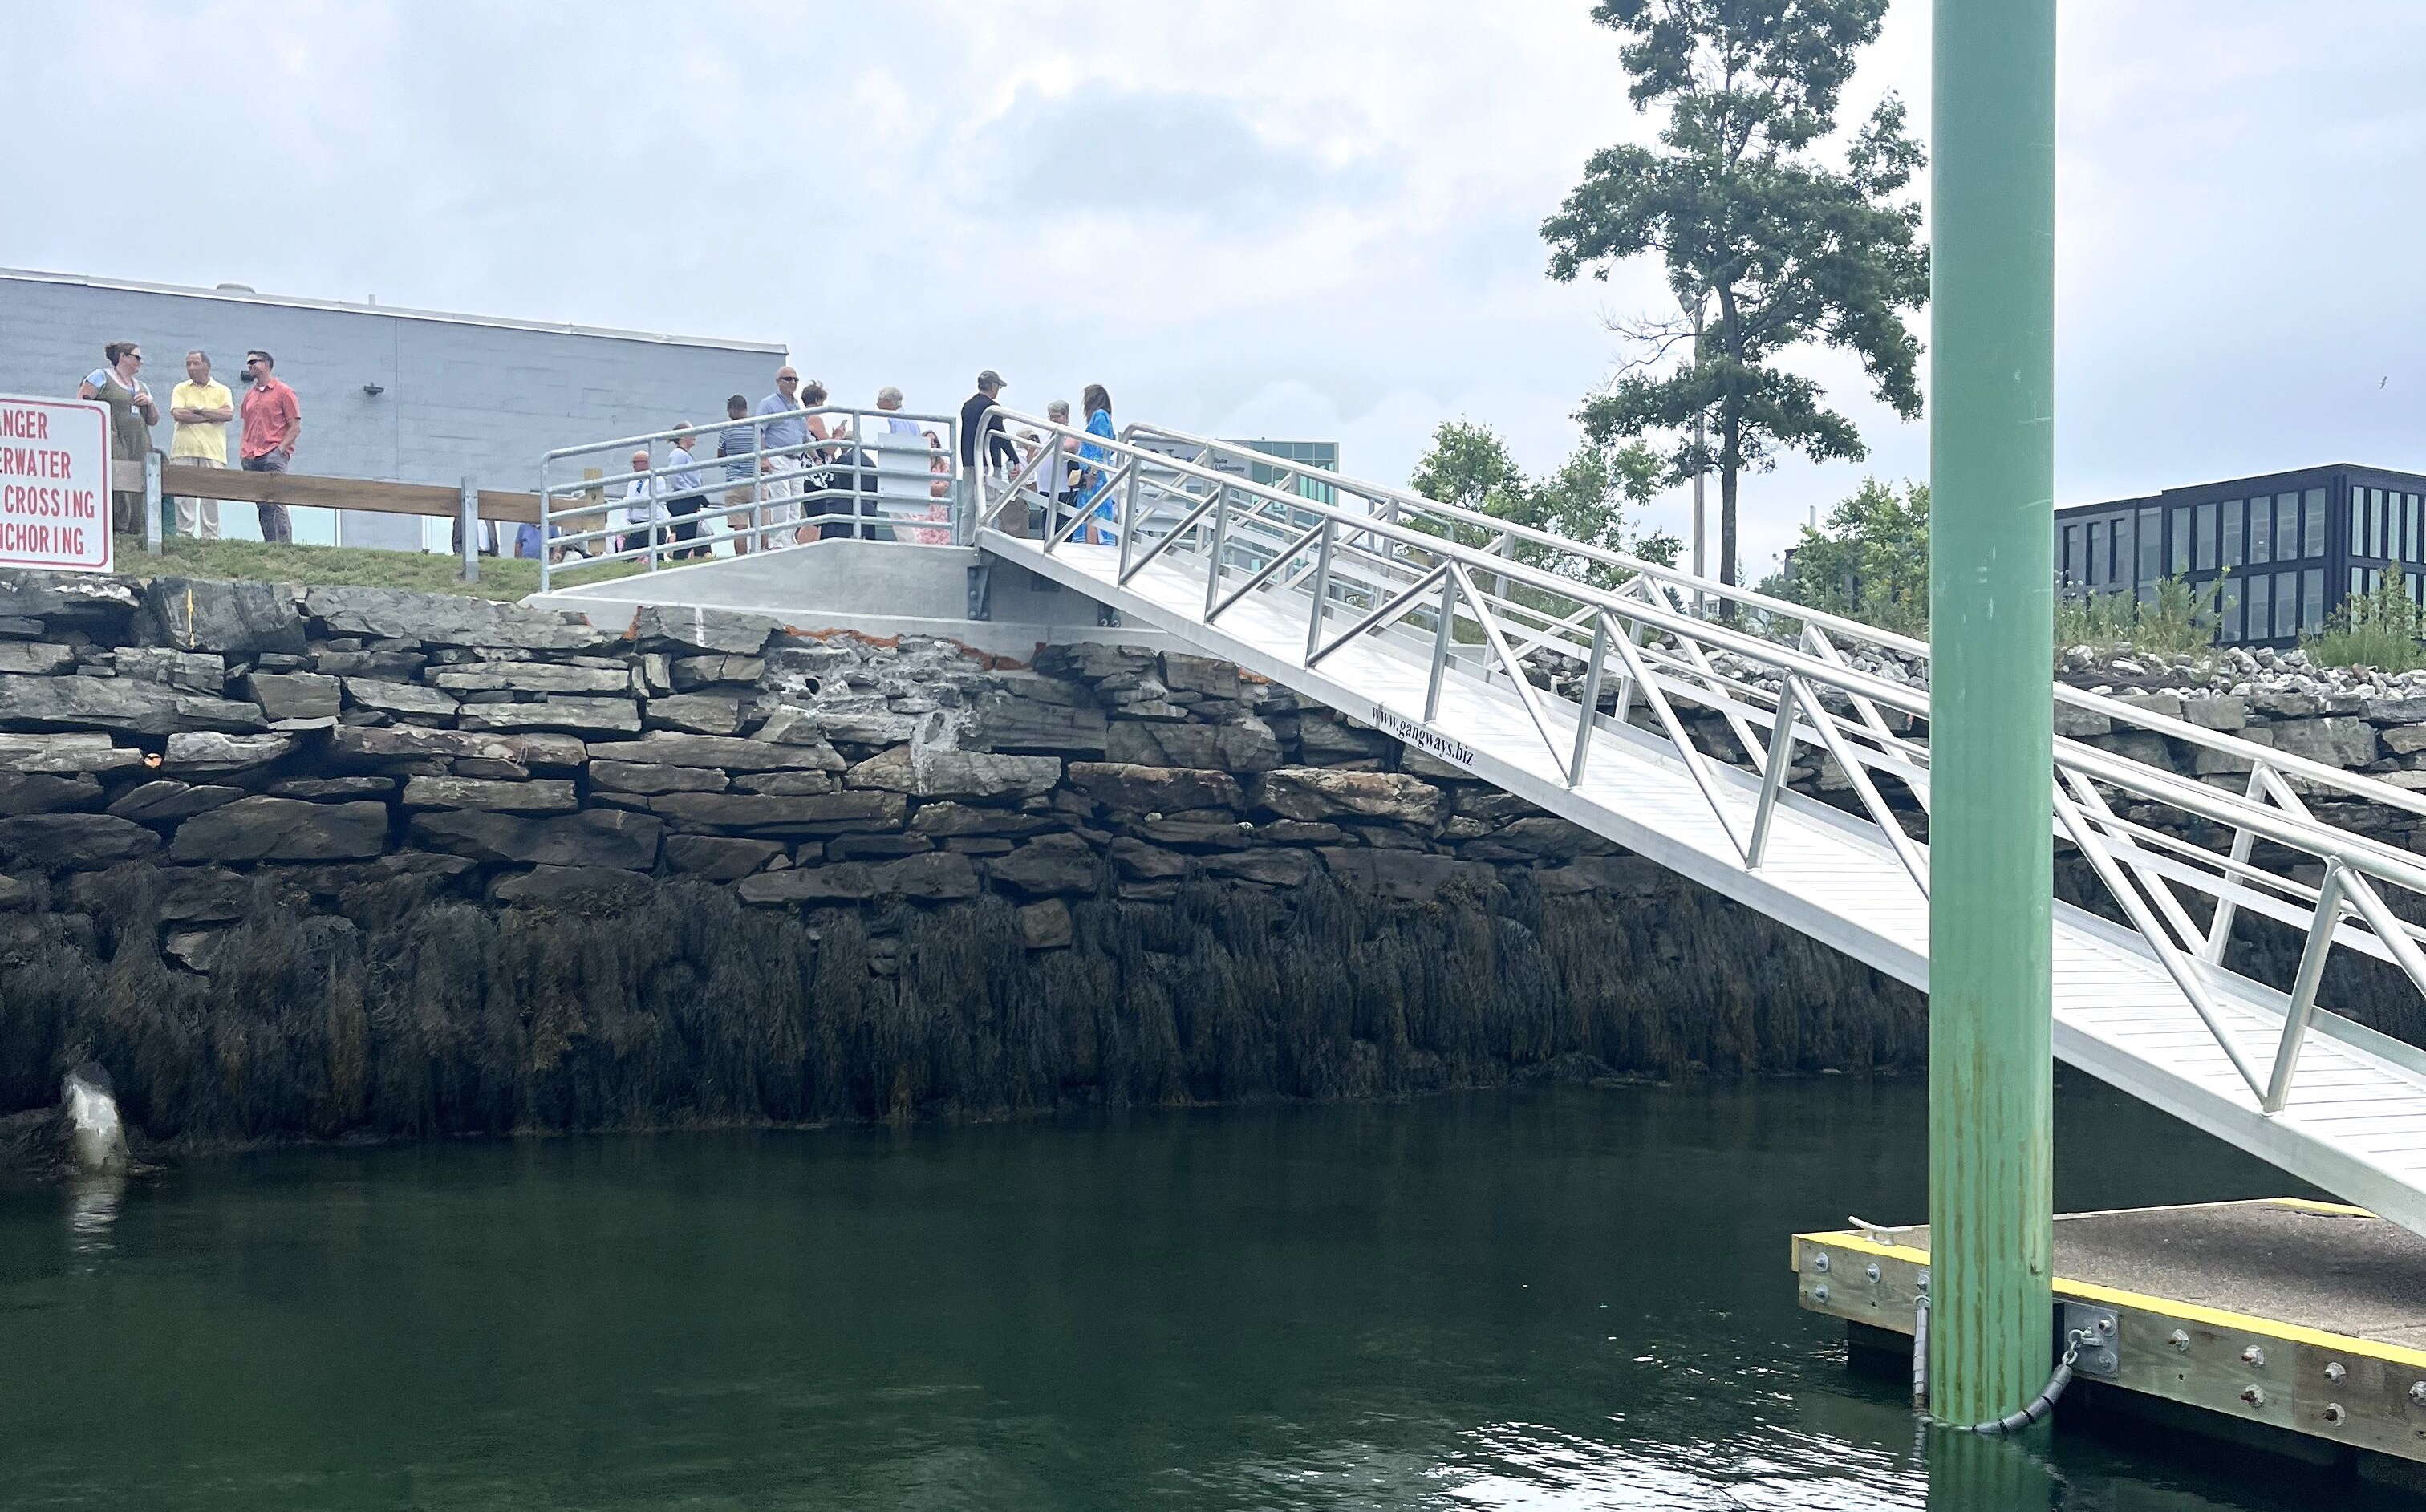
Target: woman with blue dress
1095,497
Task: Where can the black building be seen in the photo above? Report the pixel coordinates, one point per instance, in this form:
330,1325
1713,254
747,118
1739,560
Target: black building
2289,547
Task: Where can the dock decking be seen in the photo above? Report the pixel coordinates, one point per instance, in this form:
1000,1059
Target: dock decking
2303,1317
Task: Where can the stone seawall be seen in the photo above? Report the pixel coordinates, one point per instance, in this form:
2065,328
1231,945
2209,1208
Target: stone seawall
333,861
328,861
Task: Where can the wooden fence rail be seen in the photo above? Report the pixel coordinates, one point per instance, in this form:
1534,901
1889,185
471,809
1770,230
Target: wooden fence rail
311,493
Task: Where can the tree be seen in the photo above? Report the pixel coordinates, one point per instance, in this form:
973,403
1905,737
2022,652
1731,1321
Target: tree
1745,215
1585,500
1870,561
1469,466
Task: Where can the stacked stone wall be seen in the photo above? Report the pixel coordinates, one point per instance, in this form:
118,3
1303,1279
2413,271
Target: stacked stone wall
334,861
325,861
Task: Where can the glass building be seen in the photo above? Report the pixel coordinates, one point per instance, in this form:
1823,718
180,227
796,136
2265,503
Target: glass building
1297,457
2274,556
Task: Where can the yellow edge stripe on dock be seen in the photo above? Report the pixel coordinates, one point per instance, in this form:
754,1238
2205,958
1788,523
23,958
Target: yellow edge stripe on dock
2188,1311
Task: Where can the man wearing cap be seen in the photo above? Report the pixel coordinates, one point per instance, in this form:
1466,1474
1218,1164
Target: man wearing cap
789,428
999,450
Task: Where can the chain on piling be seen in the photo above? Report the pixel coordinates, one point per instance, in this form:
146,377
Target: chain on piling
2036,1409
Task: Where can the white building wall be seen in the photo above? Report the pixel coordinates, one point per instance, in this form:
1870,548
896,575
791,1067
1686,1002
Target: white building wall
458,395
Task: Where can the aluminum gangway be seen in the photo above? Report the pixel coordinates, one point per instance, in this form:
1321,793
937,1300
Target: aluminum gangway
1519,656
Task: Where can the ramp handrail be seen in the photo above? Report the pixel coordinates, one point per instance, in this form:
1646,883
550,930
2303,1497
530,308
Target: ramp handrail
882,477
1840,630
1398,574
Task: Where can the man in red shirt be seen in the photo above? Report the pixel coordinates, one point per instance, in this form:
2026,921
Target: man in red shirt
273,423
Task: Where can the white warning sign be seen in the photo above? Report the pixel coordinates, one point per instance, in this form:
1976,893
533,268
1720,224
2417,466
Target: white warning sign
53,484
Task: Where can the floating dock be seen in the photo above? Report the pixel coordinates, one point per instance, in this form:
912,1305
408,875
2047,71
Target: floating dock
2297,1326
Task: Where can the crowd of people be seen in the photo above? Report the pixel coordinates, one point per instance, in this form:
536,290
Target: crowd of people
202,407
790,471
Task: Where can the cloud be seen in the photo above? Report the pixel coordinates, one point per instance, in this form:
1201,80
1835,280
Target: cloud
1287,217
1102,153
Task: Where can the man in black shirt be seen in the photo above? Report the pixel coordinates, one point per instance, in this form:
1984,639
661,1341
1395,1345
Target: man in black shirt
999,450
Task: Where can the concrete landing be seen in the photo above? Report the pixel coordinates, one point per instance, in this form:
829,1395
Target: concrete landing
872,587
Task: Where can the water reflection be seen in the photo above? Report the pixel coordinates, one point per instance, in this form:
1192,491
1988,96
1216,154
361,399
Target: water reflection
1532,1465
1572,1299
92,1213
1970,1473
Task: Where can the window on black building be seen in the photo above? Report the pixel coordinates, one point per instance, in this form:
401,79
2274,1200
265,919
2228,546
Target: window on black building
2313,532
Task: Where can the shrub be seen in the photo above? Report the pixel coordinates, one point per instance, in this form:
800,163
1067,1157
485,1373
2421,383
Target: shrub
2385,630
2179,621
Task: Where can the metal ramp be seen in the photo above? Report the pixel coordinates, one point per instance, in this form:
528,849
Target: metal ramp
1485,645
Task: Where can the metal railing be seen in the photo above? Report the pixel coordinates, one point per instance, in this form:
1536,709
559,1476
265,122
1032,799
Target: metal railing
864,478
1561,624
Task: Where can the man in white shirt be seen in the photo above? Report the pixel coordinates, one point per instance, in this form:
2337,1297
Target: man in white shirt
644,507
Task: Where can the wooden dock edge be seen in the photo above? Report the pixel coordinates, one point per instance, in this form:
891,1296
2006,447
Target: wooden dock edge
2239,1371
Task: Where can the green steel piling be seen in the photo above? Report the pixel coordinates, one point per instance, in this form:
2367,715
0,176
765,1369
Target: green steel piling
1992,475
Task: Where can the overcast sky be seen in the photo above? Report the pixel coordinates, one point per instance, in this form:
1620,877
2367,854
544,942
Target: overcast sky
1314,218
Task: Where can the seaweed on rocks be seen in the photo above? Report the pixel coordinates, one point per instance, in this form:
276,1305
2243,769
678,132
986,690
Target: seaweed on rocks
399,1014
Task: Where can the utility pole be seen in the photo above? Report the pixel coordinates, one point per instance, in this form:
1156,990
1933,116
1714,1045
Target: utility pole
1700,303
1992,486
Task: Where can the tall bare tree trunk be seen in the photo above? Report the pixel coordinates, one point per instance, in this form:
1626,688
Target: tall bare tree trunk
1729,431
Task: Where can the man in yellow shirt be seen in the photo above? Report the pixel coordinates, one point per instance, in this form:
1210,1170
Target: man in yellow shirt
202,407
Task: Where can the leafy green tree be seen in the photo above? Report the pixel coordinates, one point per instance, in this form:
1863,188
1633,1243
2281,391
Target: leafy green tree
1469,466
1868,562
1585,500
1779,248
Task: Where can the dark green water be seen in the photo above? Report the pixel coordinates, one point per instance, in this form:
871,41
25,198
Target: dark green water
1571,1299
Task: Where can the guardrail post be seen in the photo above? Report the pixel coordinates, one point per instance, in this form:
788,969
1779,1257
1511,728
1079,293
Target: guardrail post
546,534
1321,591
2304,982
152,503
1992,471
467,530
1590,700
1442,634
